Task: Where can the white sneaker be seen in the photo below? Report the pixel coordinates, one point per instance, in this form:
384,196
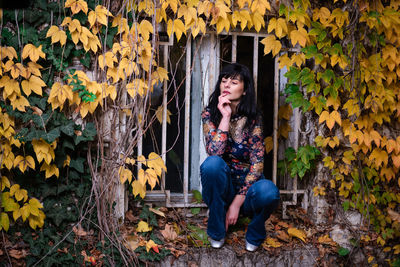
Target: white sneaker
216,243
250,247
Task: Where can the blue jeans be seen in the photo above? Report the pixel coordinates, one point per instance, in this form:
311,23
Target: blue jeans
261,200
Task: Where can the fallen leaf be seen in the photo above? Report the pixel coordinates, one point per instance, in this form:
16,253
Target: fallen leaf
283,236
326,240
169,232
129,216
300,234
177,253
283,224
132,242
394,215
272,242
143,227
79,231
18,254
158,212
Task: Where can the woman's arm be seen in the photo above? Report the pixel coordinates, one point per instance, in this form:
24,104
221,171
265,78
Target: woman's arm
216,138
256,142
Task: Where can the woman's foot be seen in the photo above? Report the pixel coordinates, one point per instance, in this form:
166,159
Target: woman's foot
216,243
250,247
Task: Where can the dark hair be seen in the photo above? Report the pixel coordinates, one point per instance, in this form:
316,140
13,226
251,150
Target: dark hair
247,106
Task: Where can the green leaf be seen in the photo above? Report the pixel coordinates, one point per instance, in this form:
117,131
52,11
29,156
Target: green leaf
293,74
85,60
346,205
343,251
52,135
328,75
291,89
68,129
195,211
290,153
283,10
310,51
77,164
197,196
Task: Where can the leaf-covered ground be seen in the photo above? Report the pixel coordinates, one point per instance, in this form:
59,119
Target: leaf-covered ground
154,233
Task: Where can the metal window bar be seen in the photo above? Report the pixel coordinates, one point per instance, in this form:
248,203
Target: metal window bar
182,199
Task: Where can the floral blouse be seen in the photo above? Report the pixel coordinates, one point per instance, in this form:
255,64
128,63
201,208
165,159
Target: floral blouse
240,147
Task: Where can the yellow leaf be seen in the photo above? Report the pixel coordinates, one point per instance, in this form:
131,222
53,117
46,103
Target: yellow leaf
284,129
396,160
298,59
330,119
298,36
396,249
33,52
380,241
4,182
143,227
285,112
145,28
333,142
8,51
137,86
326,240
300,234
260,6
178,28
4,221
155,161
378,157
271,44
34,84
279,26
319,191
258,21
19,194
160,74
269,145
77,5
57,35
20,103
150,244
59,94
34,68
284,61
159,115
50,170
138,189
23,163
272,243
223,23
124,174
332,184
348,157
151,177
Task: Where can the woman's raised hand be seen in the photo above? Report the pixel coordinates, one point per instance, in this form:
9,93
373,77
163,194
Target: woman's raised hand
224,107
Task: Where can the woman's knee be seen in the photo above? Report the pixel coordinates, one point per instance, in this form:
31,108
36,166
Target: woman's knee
266,192
213,170
212,164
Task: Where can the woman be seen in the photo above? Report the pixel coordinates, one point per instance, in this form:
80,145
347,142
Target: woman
231,176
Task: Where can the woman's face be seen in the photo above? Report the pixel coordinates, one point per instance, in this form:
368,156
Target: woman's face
232,88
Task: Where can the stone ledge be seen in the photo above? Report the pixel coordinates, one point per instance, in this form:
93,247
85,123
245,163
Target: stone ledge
226,257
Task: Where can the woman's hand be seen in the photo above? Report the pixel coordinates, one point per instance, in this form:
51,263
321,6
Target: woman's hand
233,212
231,216
224,106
